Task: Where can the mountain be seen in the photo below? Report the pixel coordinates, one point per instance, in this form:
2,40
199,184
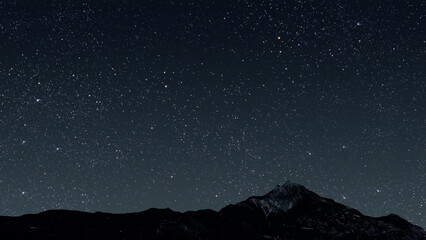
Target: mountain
289,211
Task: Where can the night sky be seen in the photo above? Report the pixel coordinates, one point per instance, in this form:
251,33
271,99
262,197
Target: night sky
119,106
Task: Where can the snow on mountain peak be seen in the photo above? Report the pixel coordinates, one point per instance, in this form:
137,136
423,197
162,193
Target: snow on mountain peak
281,199
287,186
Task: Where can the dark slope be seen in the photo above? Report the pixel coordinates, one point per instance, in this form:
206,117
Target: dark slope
290,211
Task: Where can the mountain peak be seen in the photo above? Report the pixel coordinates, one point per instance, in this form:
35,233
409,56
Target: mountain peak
287,187
281,199
289,190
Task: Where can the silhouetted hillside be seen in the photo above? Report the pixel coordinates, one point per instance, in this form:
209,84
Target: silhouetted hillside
289,211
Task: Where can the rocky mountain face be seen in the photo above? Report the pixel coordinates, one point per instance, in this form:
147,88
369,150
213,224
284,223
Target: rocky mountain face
289,211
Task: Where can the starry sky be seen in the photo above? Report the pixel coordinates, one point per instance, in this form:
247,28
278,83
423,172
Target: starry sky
119,106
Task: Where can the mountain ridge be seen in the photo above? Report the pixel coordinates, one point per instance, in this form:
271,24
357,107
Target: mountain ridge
289,211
